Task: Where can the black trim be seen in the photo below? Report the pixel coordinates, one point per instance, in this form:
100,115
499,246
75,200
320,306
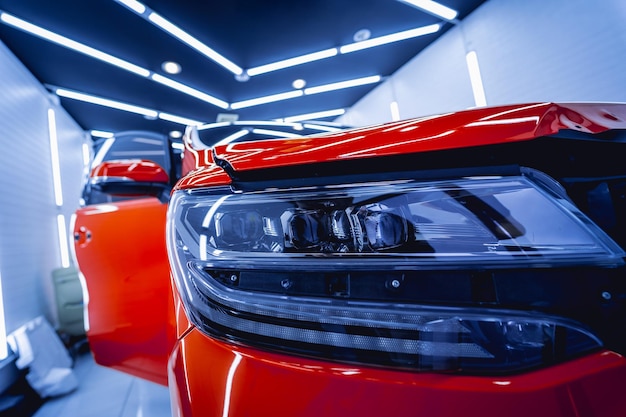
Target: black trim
341,178
558,156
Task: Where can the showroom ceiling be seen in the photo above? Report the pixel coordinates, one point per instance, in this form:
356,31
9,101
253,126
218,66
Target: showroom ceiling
245,35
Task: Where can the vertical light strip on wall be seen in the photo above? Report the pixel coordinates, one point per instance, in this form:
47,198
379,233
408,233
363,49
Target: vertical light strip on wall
86,155
4,350
58,190
63,241
395,111
54,152
475,78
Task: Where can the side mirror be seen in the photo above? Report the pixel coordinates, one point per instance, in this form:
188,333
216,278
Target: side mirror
130,178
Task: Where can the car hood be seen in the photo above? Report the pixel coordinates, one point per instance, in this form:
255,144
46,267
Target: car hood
469,128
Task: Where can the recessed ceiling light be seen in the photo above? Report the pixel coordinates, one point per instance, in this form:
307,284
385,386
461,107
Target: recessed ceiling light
171,67
298,84
362,35
176,134
243,77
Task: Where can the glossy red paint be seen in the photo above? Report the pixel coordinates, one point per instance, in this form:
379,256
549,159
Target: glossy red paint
130,308
209,377
211,174
135,169
138,324
449,131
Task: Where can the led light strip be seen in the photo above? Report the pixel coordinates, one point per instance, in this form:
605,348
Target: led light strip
476,79
433,8
308,91
428,6
87,98
101,134
275,133
313,116
292,62
54,155
71,44
109,59
4,347
194,43
177,32
394,37
225,141
94,53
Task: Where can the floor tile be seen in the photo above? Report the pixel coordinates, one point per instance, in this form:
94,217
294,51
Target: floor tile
105,392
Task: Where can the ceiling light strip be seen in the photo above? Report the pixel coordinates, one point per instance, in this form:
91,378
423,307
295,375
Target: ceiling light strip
180,120
322,128
185,37
153,114
342,84
264,123
100,134
292,62
308,91
134,5
434,8
210,53
357,46
214,125
87,98
314,116
94,53
266,99
237,135
189,90
159,21
71,44
276,133
387,39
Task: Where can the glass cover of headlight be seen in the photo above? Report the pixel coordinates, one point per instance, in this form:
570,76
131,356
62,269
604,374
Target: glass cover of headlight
415,223
217,237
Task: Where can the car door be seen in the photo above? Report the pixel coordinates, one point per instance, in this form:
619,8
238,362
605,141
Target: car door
119,242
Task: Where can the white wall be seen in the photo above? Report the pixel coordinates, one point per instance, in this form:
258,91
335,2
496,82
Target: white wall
530,50
29,242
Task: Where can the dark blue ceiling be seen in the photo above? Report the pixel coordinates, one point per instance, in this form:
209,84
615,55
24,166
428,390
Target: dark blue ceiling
247,32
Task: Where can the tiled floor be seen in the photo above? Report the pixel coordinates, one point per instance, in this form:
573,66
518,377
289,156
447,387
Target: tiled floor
104,392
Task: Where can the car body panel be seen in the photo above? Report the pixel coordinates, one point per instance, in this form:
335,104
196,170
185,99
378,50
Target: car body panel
453,131
209,377
138,169
130,308
138,324
450,131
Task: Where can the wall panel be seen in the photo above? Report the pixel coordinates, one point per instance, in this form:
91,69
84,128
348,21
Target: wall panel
29,248
531,50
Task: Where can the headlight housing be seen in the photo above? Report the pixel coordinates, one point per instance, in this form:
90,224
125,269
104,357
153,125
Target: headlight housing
280,268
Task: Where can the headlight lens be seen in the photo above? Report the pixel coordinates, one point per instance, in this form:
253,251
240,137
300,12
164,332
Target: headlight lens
301,247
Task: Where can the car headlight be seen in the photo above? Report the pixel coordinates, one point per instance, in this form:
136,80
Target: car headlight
313,270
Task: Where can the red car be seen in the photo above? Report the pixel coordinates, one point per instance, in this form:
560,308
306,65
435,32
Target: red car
469,264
